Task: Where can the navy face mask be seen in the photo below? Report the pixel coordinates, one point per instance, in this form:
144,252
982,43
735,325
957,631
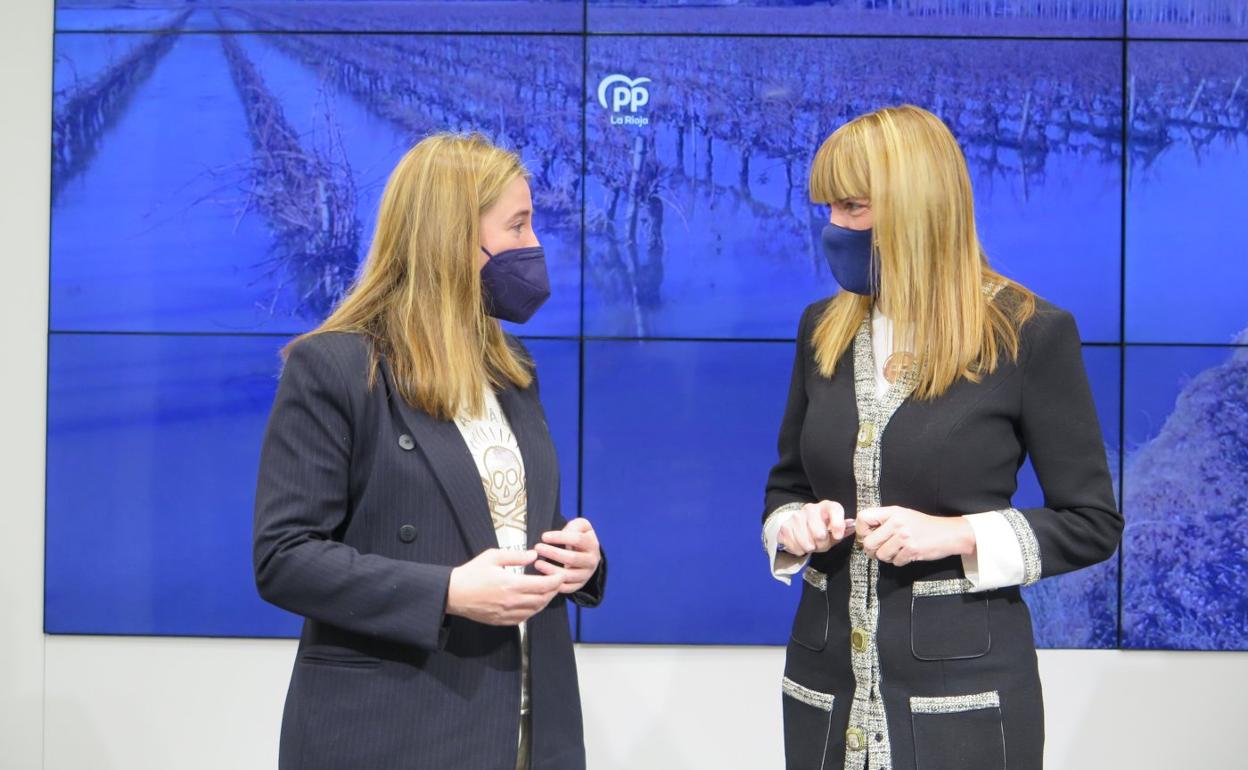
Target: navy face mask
849,255
514,283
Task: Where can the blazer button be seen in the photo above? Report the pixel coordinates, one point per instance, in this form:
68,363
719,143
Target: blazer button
406,442
407,533
858,639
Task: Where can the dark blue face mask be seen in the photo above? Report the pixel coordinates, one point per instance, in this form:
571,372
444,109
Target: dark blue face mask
514,283
849,255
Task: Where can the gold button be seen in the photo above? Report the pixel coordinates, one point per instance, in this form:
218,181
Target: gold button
855,739
866,434
858,638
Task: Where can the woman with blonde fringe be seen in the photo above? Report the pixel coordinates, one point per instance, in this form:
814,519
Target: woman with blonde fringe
917,392
408,496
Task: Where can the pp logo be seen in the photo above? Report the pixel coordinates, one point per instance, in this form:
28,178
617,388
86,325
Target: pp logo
625,92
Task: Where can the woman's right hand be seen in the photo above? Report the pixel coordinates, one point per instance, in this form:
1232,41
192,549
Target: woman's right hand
815,528
486,591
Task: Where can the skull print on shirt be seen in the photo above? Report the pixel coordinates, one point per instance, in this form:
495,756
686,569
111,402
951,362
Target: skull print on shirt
496,453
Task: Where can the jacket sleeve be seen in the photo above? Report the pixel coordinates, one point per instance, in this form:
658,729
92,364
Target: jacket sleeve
302,499
1079,524
591,594
787,484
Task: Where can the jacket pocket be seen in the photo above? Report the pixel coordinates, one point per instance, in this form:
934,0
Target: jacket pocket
947,621
810,625
336,657
807,726
960,732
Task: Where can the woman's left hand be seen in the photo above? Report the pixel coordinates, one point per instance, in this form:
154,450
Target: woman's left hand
576,548
900,536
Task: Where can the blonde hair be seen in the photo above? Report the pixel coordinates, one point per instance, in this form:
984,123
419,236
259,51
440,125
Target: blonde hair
925,250
418,297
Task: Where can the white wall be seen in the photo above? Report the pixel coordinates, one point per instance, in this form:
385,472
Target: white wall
136,704
101,703
25,128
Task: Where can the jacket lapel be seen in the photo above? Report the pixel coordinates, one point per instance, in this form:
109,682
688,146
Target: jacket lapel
443,447
540,466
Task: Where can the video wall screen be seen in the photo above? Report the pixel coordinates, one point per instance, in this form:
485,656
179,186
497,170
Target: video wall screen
216,171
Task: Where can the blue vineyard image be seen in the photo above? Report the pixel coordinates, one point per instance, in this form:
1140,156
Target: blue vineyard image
216,171
257,206
1201,19
1028,18
1187,107
502,16
1185,551
697,223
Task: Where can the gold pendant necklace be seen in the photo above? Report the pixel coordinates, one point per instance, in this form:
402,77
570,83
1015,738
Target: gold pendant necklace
896,364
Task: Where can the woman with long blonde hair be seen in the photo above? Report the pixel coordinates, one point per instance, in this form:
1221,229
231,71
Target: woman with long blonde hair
917,392
408,496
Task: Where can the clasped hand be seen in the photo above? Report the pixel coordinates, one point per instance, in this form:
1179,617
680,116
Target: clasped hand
485,590
900,536
892,534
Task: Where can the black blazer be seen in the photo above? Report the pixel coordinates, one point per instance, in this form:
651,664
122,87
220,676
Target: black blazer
955,670
364,505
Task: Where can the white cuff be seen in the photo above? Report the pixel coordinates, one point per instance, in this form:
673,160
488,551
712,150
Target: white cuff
783,565
998,559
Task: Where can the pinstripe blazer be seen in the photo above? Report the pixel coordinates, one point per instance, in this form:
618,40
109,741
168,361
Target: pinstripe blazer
363,506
